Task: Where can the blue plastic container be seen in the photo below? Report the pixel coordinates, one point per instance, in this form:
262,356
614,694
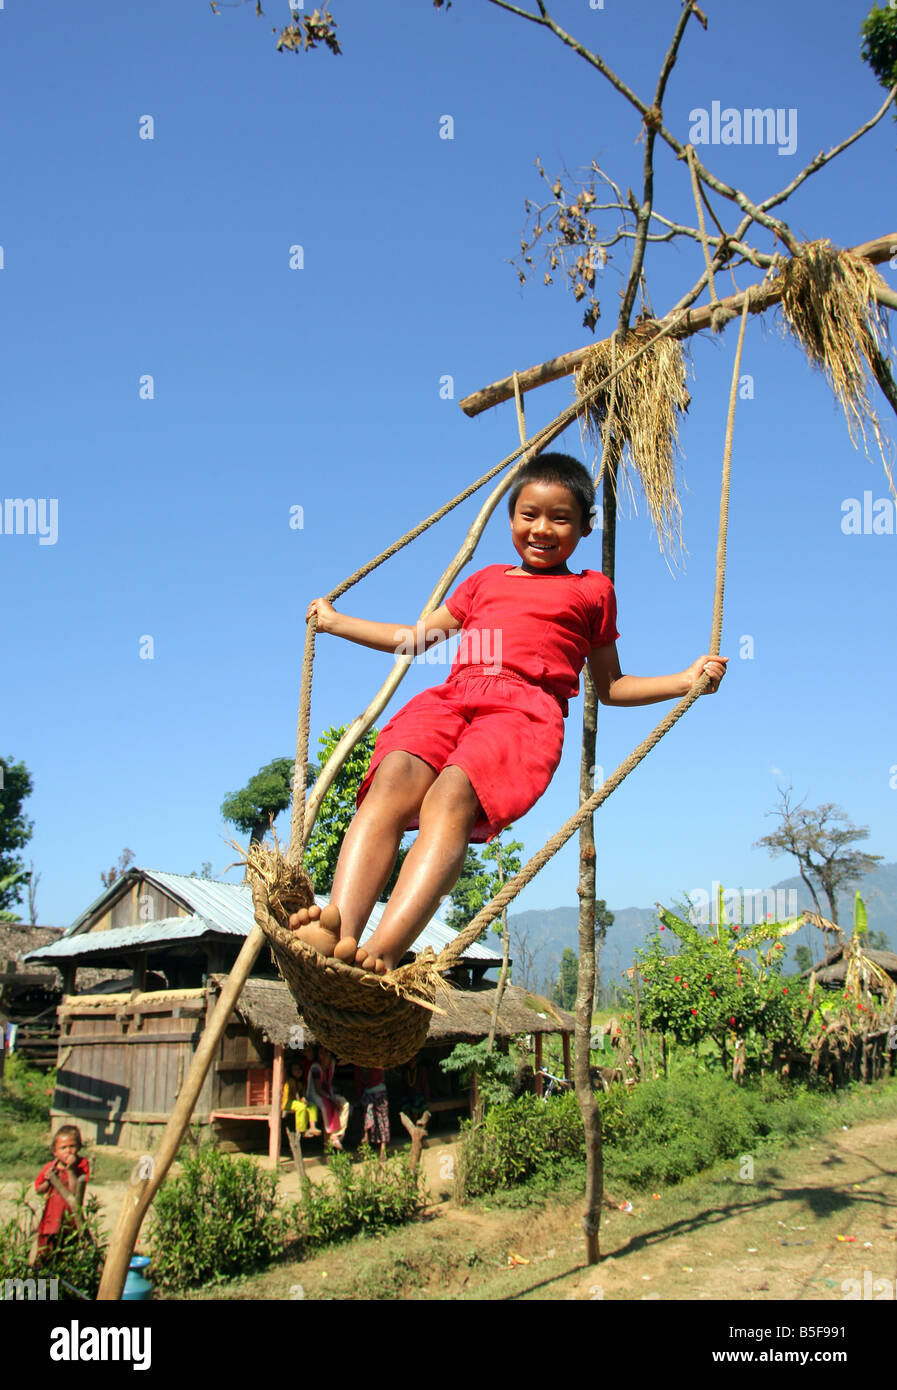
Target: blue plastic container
136,1286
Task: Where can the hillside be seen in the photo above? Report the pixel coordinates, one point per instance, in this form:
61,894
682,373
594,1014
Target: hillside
546,932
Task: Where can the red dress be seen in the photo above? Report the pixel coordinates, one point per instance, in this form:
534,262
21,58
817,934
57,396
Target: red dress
56,1207
500,715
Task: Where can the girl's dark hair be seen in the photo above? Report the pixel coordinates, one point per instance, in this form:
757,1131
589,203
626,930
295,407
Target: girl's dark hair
69,1132
563,469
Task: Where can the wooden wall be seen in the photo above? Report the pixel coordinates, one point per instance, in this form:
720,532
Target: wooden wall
130,911
122,1062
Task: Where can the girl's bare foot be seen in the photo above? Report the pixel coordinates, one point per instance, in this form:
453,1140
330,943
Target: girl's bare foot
317,927
349,951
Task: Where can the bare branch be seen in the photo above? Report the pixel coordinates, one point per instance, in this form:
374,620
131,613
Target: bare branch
643,214
822,159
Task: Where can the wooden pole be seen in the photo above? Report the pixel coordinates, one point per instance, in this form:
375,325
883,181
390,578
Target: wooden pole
693,321
141,1193
538,1066
276,1094
565,1042
294,1138
638,1022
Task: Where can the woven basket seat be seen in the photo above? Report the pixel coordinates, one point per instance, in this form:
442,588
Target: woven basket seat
362,1018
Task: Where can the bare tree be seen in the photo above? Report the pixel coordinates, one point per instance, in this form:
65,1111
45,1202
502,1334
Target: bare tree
820,840
33,881
125,860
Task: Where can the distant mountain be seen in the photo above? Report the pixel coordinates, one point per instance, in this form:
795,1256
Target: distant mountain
546,933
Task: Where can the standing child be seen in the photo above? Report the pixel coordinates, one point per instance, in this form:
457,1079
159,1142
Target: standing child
371,1092
71,1172
465,759
333,1108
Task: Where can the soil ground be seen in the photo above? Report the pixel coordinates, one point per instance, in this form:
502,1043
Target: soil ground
721,1236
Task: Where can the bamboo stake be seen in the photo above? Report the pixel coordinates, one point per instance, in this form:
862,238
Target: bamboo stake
139,1196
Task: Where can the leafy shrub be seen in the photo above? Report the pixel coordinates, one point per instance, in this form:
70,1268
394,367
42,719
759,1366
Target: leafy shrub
497,1072
370,1196
76,1259
712,987
516,1139
26,1092
218,1218
669,1130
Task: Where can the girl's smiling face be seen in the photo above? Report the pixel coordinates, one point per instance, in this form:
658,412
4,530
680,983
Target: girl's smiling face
546,527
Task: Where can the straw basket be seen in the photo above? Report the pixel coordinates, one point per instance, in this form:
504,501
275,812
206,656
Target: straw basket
373,1021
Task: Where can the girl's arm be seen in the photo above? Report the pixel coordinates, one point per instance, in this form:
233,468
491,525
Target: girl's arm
616,689
385,637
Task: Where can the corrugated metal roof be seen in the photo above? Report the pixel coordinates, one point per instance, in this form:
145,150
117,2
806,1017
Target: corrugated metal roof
221,908
126,938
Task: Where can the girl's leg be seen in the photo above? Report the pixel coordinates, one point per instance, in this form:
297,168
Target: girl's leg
448,813
368,852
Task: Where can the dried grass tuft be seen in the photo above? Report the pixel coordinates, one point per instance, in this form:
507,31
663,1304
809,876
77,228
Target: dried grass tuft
643,404
829,306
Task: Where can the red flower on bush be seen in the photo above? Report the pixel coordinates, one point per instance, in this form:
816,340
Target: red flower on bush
694,1011
713,994
676,979
732,1021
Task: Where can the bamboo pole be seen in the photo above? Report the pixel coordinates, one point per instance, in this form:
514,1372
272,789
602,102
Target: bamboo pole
692,321
141,1193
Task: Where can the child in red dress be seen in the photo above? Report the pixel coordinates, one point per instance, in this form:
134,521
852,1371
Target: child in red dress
465,759
69,1170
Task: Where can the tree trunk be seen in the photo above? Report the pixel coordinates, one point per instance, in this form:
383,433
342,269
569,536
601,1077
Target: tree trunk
585,988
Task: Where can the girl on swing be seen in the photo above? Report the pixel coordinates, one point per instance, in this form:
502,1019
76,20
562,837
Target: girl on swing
463,760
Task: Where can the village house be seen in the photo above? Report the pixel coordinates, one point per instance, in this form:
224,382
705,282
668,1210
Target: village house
123,1055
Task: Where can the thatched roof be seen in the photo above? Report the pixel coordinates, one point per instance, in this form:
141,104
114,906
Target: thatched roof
17,938
268,1007
832,969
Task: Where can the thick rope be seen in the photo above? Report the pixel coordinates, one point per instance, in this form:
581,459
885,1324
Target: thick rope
465,938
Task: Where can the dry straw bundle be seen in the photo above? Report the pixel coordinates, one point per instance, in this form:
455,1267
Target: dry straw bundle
642,405
830,308
360,1018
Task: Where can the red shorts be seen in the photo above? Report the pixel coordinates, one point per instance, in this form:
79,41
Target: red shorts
504,732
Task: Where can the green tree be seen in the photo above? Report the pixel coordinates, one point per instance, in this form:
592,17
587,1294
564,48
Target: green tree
564,992
820,839
803,958
337,810
879,50
604,919
264,796
478,883
15,831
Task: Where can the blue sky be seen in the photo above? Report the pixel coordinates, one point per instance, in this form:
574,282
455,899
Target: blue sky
319,388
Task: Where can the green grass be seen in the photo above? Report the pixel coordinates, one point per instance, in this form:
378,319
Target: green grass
25,1100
